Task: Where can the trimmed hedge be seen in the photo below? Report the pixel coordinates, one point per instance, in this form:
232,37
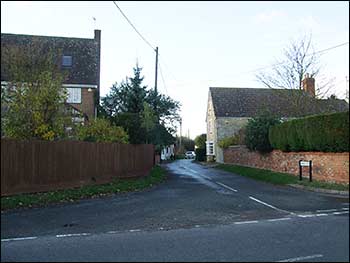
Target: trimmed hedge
324,133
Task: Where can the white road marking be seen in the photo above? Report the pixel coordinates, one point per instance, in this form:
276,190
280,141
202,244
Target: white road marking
224,185
306,216
73,235
134,230
322,214
345,208
246,222
279,219
113,232
271,206
328,210
340,213
301,258
18,239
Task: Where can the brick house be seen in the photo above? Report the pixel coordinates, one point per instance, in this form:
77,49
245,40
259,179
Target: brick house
78,57
229,109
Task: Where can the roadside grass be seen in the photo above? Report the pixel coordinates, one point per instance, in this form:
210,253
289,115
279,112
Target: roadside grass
279,178
156,176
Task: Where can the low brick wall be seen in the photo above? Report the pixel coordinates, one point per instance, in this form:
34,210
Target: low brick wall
330,167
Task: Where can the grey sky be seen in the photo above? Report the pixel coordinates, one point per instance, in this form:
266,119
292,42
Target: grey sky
201,44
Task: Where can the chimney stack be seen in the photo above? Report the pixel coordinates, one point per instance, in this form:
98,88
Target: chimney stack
309,84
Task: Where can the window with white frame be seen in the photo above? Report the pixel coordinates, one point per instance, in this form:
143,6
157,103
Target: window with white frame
74,95
210,148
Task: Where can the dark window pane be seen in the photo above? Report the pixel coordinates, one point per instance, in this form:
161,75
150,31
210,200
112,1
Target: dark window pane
67,61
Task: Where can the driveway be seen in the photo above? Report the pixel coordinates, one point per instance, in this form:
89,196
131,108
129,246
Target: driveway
194,198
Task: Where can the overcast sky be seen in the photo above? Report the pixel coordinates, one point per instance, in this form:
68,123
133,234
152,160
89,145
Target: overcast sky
201,44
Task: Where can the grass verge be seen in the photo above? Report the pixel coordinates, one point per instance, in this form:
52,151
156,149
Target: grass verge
156,176
279,178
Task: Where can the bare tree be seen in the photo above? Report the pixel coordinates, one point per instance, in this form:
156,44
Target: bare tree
299,59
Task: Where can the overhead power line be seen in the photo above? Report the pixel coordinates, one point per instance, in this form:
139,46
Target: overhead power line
144,39
317,52
161,74
167,68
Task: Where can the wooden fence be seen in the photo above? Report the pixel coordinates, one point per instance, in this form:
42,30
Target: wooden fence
35,166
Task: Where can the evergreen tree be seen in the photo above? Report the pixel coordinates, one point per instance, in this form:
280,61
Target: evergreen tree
131,106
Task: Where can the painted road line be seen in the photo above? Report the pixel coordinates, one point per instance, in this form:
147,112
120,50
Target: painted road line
271,206
73,235
303,216
18,239
328,210
322,214
246,222
224,185
301,258
340,213
134,230
345,208
279,219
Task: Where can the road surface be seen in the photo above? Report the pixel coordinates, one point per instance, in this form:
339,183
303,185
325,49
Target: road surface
198,214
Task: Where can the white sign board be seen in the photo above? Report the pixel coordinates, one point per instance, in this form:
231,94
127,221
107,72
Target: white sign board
304,163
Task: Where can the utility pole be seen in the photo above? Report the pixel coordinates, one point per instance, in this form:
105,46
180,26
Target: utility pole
180,133
155,84
347,89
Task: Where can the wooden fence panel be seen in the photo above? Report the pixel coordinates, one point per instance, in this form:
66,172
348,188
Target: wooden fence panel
35,166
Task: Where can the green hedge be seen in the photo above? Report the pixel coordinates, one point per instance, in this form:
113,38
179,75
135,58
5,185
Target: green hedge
325,133
228,141
200,154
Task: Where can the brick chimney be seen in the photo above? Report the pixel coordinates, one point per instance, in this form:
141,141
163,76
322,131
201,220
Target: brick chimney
309,84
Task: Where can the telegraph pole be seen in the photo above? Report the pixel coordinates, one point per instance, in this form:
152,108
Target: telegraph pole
155,84
347,88
180,133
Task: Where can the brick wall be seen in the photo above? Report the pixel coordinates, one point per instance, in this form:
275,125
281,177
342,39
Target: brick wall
87,103
331,167
227,127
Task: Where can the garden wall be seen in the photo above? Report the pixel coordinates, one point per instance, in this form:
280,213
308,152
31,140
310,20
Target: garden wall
326,166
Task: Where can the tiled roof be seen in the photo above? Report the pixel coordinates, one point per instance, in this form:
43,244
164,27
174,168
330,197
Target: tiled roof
249,102
84,52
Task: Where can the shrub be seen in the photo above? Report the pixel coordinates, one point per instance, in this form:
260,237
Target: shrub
326,133
201,154
200,140
257,133
100,130
228,141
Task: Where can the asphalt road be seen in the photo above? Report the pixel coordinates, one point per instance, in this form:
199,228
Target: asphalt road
198,214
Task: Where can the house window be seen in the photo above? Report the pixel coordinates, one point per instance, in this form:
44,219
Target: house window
210,148
67,61
74,95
